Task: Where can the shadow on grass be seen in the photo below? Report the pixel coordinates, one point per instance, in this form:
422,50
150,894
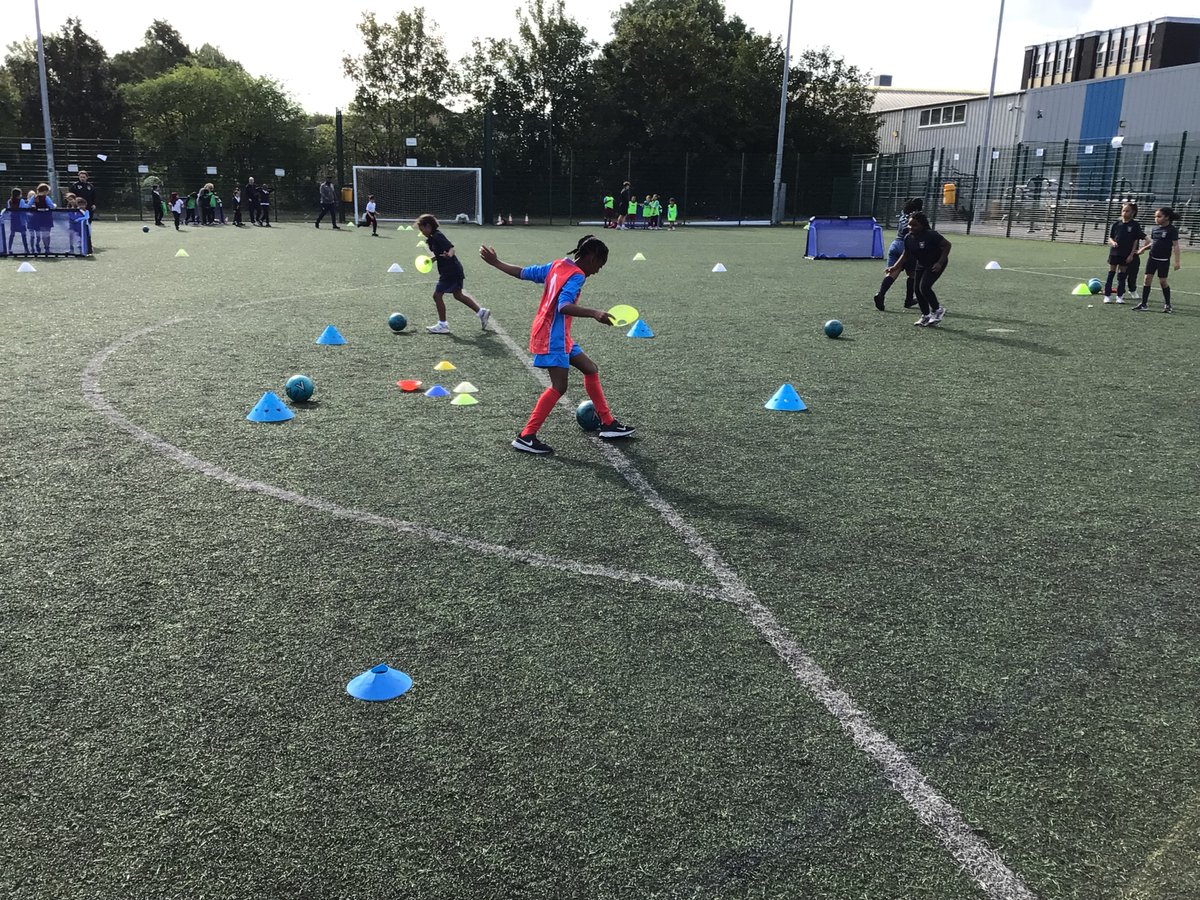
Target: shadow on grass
999,340
1024,322
702,505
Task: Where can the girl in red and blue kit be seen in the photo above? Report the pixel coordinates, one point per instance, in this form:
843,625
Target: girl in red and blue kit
550,338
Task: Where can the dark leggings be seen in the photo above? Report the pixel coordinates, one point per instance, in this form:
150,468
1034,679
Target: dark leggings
924,279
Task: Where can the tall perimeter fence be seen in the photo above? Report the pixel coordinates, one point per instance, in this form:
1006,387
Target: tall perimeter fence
1069,191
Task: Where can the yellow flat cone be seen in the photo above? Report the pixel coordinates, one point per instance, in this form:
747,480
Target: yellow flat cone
1081,290
445,366
421,245
465,387
181,252
639,257
399,227
463,400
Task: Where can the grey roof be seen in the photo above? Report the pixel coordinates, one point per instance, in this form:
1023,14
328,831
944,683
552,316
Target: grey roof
889,98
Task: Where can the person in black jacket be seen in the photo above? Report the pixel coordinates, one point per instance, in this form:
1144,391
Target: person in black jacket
250,200
85,189
156,205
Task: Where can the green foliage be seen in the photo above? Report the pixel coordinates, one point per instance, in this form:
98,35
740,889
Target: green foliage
10,100
678,73
830,106
400,80
162,50
234,121
82,94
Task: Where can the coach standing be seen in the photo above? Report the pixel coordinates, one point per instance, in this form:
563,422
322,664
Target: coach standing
250,200
328,203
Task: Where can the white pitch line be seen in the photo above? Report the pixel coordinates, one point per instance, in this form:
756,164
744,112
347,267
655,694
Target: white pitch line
978,859
1174,290
981,862
94,395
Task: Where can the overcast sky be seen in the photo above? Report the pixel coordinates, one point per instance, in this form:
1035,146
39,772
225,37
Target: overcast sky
927,45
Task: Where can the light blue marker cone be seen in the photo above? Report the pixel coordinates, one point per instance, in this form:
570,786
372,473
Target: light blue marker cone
380,683
786,399
270,409
640,330
331,336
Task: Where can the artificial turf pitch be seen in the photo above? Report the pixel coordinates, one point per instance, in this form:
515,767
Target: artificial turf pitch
986,534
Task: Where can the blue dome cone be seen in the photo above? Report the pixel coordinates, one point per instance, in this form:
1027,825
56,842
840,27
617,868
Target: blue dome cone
270,409
331,336
380,683
437,391
786,399
640,330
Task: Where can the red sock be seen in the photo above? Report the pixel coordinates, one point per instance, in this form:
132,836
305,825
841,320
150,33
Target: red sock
591,384
541,409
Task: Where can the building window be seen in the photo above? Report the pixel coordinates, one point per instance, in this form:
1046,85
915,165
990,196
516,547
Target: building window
1101,53
1040,65
1061,56
1052,60
1126,40
1139,45
943,115
1070,64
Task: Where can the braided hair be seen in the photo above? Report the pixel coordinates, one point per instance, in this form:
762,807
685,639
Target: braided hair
590,245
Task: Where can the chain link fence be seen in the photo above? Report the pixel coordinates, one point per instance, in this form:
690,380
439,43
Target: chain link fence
1071,191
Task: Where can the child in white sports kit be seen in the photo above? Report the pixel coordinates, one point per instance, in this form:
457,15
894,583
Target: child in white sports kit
450,276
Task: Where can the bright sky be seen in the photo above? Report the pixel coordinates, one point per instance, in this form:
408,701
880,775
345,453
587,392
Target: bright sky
942,45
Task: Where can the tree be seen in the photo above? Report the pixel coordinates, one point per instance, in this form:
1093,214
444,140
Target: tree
195,116
10,102
162,50
83,99
829,108
713,93
400,80
212,58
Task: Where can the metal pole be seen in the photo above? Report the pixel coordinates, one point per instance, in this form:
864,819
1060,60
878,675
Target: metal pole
51,172
741,186
1062,176
776,210
974,188
1179,170
987,123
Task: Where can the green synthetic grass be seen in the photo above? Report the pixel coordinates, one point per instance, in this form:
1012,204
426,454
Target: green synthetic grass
988,538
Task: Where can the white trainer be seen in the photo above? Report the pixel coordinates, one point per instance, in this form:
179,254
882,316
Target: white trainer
439,328
922,322
484,314
937,315
1119,299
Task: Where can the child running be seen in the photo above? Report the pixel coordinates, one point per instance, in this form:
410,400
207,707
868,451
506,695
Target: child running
550,338
1123,239
1163,243
895,251
450,276
930,252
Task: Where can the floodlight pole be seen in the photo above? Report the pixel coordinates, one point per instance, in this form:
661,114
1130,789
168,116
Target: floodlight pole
51,172
987,124
776,205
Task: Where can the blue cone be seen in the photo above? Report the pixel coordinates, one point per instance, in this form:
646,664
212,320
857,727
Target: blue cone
331,336
640,329
380,683
786,399
437,391
270,409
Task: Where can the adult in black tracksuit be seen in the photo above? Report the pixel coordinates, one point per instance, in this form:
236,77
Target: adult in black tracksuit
931,252
156,204
328,203
250,200
85,189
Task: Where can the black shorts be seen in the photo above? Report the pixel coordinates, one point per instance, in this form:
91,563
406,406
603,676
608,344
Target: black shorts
1117,259
1159,267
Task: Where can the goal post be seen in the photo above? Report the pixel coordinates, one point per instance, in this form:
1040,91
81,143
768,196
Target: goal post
404,192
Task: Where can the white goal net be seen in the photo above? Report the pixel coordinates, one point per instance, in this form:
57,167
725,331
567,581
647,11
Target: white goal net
404,192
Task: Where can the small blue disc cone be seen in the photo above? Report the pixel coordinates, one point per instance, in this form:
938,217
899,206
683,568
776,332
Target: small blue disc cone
379,683
437,391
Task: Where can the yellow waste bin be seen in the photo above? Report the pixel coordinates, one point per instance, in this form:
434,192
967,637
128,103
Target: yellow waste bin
949,193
